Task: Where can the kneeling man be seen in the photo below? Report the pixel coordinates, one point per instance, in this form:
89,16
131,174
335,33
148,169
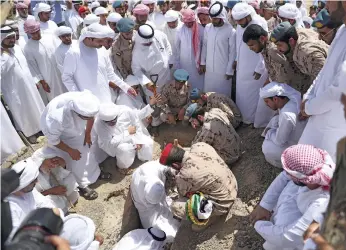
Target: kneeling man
121,135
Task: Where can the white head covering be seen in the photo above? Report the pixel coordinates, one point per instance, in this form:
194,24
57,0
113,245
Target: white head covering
108,112
100,11
97,30
171,16
308,19
11,23
144,30
242,10
281,89
86,104
79,230
6,31
63,30
291,11
42,7
148,1
132,80
29,171
41,154
142,239
154,191
90,19
114,17
94,4
215,8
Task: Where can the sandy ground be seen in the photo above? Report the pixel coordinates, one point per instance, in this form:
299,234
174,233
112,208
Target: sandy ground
114,214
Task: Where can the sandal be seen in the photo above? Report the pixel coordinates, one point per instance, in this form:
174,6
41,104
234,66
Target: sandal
88,193
105,176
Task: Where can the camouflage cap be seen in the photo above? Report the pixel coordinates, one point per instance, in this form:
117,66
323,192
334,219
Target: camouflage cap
322,19
279,31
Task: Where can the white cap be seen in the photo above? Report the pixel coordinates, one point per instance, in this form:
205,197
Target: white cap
100,11
171,16
108,112
114,17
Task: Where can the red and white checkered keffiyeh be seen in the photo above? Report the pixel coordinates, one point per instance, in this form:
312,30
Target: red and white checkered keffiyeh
308,164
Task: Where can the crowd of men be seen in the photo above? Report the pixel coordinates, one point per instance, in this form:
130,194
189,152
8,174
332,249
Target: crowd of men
98,79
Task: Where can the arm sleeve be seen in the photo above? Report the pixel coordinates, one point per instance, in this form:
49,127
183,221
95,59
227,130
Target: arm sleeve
53,131
165,98
33,66
204,135
261,67
314,63
7,63
112,77
167,45
137,69
177,51
272,194
204,47
281,135
144,112
70,66
231,53
330,98
290,235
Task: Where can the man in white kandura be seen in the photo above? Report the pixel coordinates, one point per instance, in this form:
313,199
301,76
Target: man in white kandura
18,86
326,125
43,13
171,28
294,198
249,81
54,181
65,35
155,17
149,196
150,57
188,47
39,52
218,52
121,135
88,66
75,19
67,122
290,13
284,129
23,15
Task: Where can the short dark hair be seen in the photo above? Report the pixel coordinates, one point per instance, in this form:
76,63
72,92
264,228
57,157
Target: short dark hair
281,97
176,155
253,32
333,24
290,33
198,111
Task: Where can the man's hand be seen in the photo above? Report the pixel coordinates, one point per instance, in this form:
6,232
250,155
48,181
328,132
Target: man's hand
259,213
256,75
149,119
113,86
314,226
139,146
45,86
266,82
99,238
321,243
58,190
87,139
132,91
155,99
171,119
302,114
131,129
74,154
58,242
234,65
228,77
201,69
181,114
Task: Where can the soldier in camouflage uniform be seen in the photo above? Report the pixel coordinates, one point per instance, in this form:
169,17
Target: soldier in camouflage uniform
218,132
200,170
304,52
175,96
121,51
216,100
269,14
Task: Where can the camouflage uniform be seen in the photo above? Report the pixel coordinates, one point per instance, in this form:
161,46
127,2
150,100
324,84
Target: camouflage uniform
121,55
174,100
272,23
204,171
218,132
220,101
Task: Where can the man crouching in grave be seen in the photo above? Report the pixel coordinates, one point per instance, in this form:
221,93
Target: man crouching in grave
216,130
121,134
206,186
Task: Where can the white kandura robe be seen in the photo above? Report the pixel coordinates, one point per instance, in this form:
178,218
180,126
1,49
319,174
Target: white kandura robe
153,215
185,56
218,54
117,142
74,21
60,123
327,124
285,131
10,140
60,54
20,92
247,95
90,68
158,19
42,64
21,22
48,28
151,60
293,208
21,206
